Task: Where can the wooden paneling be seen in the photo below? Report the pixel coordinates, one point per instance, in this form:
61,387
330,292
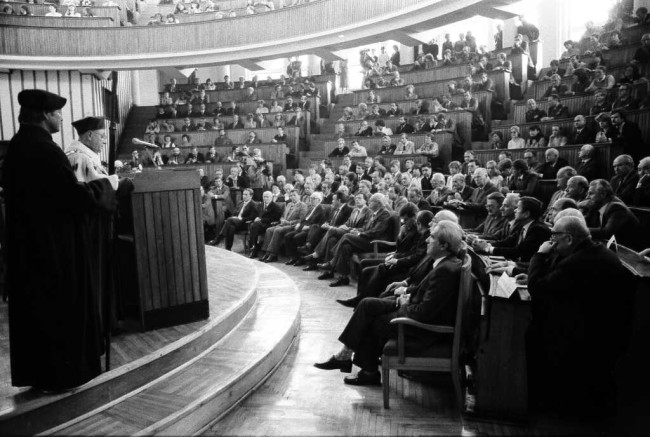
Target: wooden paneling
84,92
246,107
274,152
64,22
166,206
306,19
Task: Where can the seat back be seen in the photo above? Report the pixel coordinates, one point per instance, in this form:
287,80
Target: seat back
396,224
461,331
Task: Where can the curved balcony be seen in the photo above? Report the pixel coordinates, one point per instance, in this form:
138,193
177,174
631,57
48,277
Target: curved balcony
322,24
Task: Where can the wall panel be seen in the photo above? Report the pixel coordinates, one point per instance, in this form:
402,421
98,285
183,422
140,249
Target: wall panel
84,92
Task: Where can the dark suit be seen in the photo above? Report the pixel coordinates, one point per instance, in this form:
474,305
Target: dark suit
585,136
589,169
624,186
404,128
617,220
642,194
433,300
375,275
579,305
549,171
518,247
337,218
631,138
492,227
235,223
378,227
298,237
356,220
267,216
477,201
526,186
239,125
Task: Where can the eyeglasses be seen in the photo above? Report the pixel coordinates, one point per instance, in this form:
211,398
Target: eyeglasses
555,234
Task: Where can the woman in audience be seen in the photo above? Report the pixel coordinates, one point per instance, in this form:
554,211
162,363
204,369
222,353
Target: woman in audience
454,168
535,137
448,58
607,132
348,114
516,142
410,94
275,107
72,12
556,87
601,80
631,76
368,84
362,111
185,142
250,122
51,11
496,141
570,50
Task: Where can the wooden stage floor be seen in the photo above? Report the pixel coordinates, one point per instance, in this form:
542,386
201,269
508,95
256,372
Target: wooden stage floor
227,284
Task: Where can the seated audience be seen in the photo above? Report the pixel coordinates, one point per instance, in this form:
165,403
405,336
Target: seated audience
524,180
563,175
642,191
557,137
294,212
534,114
433,301
625,178
492,228
629,135
516,142
549,169
583,133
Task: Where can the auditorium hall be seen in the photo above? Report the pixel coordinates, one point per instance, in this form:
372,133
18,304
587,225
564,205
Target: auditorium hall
384,217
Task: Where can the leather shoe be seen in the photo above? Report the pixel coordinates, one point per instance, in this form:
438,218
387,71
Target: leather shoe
350,303
216,241
254,253
291,262
324,266
326,275
271,258
299,262
345,366
343,280
310,268
264,257
363,378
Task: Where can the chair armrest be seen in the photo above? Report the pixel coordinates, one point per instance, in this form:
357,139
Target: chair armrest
431,328
376,243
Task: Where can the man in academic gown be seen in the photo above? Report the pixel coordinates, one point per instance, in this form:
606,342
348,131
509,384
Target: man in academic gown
54,330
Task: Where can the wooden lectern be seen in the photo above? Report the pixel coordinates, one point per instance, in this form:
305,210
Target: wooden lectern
169,248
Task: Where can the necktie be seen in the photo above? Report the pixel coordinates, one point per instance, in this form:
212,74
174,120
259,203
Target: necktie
241,211
336,214
522,236
355,215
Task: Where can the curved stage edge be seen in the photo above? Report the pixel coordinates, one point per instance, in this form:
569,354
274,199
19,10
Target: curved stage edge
244,314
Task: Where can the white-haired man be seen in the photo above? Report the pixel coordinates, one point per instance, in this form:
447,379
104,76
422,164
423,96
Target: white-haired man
433,300
316,215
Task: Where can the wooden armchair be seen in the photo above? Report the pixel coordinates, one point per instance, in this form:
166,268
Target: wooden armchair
380,248
443,356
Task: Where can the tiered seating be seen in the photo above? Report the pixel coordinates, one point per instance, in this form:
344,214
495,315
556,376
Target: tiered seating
42,21
42,9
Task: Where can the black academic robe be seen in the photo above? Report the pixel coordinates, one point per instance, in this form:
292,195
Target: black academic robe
54,321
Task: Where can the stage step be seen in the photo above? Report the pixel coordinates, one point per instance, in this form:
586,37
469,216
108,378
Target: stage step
233,285
188,399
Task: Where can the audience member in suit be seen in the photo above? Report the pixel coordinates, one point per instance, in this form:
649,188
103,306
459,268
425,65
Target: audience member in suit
415,196
629,135
294,212
524,181
246,211
425,182
580,303
233,109
236,123
553,164
221,192
576,188
357,221
642,190
403,127
432,301
377,273
396,197
532,233
316,215
563,176
492,227
339,215
606,215
439,191
236,180
461,192
588,167
625,178
476,203
583,133
269,213
378,227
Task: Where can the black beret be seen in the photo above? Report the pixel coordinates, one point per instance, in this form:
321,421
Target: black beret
88,123
41,100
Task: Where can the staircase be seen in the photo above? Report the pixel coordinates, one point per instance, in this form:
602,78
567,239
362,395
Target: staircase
136,124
